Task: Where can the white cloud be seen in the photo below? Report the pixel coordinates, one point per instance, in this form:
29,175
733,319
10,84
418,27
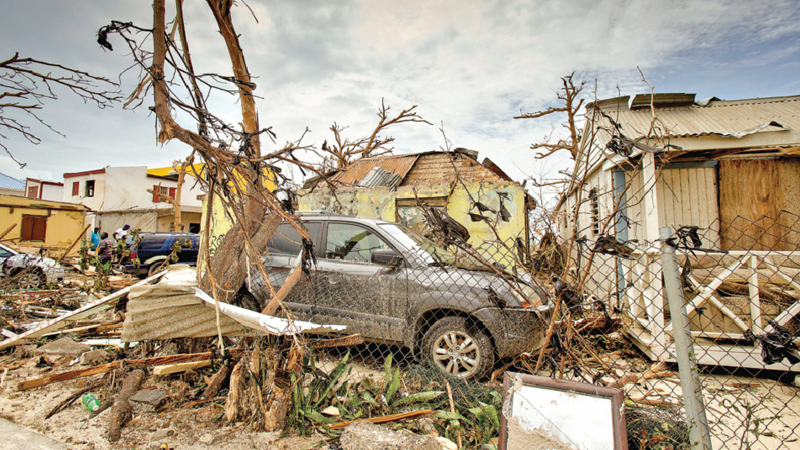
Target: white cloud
470,64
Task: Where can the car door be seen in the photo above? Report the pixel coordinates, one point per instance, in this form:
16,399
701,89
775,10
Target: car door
283,249
352,290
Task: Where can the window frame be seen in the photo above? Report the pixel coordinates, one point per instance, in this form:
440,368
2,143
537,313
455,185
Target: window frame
89,188
31,235
322,251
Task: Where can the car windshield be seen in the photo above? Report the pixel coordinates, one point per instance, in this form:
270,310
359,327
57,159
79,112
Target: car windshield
421,247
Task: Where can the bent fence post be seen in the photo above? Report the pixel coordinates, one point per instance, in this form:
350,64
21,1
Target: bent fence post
690,380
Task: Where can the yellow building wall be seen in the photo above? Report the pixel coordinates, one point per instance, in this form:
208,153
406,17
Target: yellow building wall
381,203
63,225
220,221
459,205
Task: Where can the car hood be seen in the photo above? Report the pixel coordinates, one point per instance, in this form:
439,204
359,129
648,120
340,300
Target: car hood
480,284
25,260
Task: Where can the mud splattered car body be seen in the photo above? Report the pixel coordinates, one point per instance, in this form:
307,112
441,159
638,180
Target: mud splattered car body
392,285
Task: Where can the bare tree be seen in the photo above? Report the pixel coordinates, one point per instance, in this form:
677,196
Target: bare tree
236,168
569,95
26,84
344,151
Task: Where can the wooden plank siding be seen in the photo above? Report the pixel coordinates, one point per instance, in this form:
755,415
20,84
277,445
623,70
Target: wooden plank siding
685,197
688,197
437,168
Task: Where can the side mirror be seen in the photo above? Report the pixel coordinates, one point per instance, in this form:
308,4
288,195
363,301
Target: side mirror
387,257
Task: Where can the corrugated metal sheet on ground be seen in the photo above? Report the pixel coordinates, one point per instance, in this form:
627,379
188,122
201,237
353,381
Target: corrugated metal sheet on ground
724,118
358,170
175,307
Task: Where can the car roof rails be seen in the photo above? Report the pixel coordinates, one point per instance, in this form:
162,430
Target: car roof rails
316,212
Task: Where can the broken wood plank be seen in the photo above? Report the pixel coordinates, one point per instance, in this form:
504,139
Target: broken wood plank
155,361
216,381
8,230
121,411
71,246
72,374
291,280
179,367
68,401
85,311
383,419
353,339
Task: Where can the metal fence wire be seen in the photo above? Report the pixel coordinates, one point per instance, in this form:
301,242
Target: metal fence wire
451,318
740,288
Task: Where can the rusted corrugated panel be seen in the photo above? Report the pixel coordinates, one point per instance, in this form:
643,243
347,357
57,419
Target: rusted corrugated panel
724,118
437,168
358,170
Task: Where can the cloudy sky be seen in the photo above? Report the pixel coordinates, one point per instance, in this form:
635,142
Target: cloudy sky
471,65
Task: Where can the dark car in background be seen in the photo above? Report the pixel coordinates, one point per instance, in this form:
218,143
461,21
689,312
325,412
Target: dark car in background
154,250
394,286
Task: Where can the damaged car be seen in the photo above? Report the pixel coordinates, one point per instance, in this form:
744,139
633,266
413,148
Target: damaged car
31,271
394,286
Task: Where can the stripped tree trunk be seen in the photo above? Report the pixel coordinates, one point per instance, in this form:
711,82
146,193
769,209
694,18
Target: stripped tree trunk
121,411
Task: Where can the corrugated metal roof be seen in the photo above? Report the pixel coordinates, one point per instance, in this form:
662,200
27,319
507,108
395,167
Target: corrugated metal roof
358,170
7,182
380,177
735,118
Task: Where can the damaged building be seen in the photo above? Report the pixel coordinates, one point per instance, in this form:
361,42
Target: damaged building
119,195
479,196
725,173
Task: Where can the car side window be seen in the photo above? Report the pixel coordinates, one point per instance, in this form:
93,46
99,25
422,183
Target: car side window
287,240
5,253
352,243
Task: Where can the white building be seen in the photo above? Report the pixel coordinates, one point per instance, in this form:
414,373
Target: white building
44,190
118,195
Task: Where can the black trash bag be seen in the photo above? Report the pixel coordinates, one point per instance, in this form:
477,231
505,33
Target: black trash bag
776,345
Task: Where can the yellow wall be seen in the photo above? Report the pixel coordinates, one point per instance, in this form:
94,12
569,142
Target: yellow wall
381,203
64,221
220,221
164,171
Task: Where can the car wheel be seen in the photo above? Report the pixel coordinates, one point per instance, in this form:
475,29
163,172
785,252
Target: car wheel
157,267
31,279
456,349
246,300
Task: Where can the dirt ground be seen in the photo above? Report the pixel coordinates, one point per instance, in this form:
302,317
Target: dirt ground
198,427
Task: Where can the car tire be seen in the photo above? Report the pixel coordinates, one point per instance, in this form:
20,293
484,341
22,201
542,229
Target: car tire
246,300
31,279
458,349
156,267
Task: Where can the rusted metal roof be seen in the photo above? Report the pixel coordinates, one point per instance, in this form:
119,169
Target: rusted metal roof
358,170
730,119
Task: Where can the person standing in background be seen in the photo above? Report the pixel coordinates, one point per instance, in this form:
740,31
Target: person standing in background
105,250
122,232
95,239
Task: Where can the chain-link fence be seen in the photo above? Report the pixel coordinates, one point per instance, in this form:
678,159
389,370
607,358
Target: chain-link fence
740,288
435,321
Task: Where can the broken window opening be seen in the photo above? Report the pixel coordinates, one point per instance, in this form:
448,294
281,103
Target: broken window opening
89,188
